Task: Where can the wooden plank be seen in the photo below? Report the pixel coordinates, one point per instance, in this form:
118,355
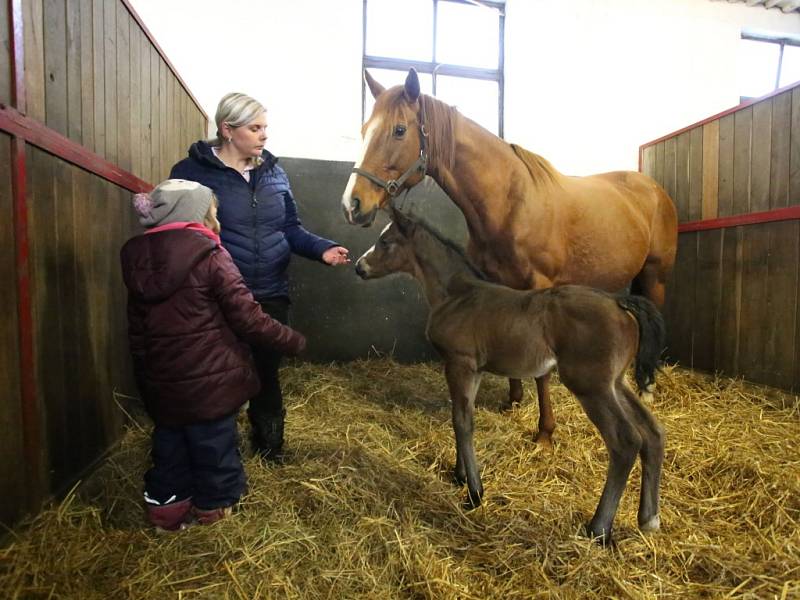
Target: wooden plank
134,141
670,148
163,150
683,316
110,45
781,305
761,152
726,347
742,143
696,174
145,143
707,299
658,173
155,116
5,63
74,84
99,73
55,65
794,143
649,161
710,170
682,176
33,28
780,151
725,196
13,470
123,76
87,74
755,251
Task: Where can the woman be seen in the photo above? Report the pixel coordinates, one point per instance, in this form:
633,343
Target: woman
260,228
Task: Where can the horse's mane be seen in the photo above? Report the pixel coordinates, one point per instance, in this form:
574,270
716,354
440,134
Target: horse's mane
439,122
450,245
540,169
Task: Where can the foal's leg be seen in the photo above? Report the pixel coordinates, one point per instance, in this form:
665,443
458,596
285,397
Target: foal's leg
623,442
547,422
463,381
652,456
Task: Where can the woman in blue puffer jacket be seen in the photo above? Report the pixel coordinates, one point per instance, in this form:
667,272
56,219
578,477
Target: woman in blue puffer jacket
260,229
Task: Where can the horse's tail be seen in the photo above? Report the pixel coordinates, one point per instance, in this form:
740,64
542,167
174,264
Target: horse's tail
652,338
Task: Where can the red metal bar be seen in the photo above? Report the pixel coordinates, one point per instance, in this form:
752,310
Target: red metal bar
163,54
39,135
17,55
31,424
720,115
767,216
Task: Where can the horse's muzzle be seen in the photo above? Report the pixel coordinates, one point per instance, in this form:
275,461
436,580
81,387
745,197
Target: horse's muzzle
354,216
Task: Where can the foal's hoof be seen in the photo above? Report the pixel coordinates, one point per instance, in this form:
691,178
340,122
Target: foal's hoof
458,479
472,501
652,524
601,537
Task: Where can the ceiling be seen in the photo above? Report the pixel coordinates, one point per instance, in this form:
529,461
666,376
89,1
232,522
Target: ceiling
786,6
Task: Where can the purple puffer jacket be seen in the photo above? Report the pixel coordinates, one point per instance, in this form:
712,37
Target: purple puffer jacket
190,320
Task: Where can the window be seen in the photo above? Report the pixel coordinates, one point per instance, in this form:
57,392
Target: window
767,62
456,46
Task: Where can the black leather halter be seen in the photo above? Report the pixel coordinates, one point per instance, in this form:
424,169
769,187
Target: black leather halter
394,186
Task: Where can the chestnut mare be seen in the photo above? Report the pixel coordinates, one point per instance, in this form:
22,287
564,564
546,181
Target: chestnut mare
592,336
530,227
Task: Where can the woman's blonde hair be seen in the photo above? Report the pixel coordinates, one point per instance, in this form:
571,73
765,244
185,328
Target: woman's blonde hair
236,109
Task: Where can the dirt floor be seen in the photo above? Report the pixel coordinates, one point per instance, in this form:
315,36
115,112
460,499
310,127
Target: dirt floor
364,505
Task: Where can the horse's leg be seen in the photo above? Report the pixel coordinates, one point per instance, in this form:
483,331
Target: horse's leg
547,422
652,456
623,442
463,381
514,393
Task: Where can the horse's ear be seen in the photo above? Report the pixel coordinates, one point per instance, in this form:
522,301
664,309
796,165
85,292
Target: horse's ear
376,88
411,88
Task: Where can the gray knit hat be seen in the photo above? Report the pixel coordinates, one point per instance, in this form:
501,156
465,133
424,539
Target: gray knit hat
172,201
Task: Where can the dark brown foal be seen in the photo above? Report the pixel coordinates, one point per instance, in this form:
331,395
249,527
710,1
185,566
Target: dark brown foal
592,336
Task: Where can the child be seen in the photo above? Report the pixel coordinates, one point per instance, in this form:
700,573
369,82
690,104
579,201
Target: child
190,320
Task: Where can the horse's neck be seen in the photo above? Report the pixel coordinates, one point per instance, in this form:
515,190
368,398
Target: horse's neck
437,266
488,181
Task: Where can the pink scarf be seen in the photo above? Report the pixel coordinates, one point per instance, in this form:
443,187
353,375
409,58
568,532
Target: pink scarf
187,225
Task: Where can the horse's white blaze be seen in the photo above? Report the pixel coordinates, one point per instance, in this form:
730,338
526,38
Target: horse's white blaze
348,191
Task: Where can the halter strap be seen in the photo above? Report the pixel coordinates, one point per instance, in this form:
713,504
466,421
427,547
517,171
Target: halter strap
393,186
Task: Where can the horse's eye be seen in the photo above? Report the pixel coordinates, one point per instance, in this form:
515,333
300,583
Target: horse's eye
399,131
384,243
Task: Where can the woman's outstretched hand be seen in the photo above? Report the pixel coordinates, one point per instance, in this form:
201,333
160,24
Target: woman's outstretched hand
337,255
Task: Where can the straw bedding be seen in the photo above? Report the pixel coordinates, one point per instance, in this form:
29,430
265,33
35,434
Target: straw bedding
364,507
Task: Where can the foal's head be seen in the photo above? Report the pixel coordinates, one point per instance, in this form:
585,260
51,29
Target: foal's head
394,250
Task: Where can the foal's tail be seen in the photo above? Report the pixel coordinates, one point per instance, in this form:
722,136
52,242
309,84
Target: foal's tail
652,338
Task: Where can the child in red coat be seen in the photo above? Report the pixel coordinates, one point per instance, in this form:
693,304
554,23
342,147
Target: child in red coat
191,321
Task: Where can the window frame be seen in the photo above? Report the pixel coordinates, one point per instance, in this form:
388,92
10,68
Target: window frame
434,68
782,42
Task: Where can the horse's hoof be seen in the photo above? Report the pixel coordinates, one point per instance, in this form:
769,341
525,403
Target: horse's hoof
602,537
543,439
652,524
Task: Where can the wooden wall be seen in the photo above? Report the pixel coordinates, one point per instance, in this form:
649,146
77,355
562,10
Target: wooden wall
732,303
98,113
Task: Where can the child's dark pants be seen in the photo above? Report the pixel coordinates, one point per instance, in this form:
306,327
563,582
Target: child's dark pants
200,461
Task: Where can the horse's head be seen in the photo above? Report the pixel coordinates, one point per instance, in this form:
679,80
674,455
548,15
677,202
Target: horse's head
393,152
393,252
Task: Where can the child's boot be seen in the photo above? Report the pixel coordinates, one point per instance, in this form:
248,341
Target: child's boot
209,516
169,517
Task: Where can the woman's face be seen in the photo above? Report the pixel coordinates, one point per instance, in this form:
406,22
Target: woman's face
248,140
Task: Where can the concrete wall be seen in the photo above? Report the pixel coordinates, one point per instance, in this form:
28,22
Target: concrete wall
344,317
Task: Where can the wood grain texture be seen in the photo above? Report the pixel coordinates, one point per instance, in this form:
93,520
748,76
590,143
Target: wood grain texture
780,151
710,202
761,155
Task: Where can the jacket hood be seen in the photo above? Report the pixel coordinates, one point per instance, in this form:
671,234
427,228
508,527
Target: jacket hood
201,152
155,265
